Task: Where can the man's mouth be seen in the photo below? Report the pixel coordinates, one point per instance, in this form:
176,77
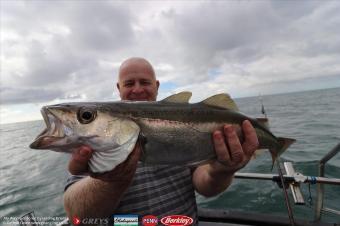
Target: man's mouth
138,98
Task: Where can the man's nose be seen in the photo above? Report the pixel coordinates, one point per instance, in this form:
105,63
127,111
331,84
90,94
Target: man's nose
137,88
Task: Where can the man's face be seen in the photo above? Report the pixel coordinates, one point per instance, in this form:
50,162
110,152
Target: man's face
137,82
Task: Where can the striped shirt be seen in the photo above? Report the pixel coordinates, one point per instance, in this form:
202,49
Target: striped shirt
158,191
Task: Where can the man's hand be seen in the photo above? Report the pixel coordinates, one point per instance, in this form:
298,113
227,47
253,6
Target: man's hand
123,172
231,154
213,178
101,196
79,160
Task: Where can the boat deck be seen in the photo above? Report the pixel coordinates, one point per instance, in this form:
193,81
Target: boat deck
215,217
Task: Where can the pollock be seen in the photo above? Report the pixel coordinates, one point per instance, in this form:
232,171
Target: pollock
171,131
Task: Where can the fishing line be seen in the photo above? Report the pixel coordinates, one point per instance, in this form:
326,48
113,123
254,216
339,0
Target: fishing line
310,199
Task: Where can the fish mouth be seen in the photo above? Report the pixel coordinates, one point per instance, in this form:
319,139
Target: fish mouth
52,133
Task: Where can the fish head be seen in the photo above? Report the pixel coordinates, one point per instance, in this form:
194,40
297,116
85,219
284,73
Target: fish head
69,126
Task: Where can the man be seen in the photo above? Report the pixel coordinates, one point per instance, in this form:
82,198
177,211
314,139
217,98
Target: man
132,188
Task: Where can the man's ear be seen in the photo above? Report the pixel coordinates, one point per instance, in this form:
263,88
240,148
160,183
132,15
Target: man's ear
157,84
118,86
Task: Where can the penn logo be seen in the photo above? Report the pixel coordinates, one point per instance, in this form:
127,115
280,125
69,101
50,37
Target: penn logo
149,220
177,220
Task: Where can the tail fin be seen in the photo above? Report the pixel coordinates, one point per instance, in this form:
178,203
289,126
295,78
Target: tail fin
284,144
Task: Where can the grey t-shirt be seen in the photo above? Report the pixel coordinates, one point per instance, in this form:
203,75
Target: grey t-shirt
158,191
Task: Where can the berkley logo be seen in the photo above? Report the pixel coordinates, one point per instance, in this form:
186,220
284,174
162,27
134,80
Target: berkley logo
176,220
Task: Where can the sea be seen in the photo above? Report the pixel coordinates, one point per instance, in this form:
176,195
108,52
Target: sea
33,180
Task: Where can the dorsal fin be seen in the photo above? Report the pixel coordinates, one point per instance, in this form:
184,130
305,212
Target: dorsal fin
182,97
222,100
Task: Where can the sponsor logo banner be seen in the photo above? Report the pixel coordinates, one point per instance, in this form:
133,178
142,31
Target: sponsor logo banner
149,220
177,220
124,220
77,221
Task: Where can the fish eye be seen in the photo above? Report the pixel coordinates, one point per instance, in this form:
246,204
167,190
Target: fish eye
86,115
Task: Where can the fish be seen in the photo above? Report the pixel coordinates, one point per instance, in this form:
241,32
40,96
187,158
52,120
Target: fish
171,131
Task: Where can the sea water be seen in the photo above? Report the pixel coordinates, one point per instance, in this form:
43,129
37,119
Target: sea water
33,180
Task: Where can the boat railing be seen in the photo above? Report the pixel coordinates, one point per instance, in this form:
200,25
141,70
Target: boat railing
293,180
320,187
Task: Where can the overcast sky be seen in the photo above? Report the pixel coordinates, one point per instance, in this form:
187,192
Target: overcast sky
61,51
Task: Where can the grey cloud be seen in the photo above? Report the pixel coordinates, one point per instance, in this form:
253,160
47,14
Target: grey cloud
47,67
293,10
10,95
216,26
238,38
101,26
242,31
216,34
97,83
58,61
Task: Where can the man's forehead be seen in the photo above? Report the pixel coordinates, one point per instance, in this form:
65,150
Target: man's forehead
136,74
132,79
136,70
136,64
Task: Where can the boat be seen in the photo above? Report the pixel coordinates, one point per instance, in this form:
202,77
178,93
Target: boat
290,180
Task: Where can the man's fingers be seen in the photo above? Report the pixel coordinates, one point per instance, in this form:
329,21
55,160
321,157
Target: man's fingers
251,142
234,144
79,160
220,148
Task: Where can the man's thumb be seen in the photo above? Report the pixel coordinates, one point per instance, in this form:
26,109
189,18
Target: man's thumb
79,160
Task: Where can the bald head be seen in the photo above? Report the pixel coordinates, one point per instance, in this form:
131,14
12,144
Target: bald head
136,65
137,80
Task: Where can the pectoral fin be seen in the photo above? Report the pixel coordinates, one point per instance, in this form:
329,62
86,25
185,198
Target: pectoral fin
123,142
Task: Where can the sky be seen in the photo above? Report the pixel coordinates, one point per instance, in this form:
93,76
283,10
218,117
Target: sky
65,51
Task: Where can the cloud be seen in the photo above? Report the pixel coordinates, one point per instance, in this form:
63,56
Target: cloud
11,95
101,26
59,48
63,50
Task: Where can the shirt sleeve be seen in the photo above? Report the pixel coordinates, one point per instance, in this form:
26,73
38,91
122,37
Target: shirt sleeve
73,179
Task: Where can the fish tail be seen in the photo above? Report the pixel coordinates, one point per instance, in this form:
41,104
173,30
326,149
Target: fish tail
284,144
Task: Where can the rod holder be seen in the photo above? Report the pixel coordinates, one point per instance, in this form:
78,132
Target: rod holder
295,186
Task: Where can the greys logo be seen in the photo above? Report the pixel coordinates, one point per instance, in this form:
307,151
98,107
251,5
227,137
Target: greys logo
91,221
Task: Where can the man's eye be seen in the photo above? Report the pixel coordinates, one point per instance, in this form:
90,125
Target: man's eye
128,84
145,83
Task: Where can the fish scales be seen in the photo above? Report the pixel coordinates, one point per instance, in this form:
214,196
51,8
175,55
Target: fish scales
172,130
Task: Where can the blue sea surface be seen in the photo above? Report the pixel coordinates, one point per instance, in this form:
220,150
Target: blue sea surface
33,180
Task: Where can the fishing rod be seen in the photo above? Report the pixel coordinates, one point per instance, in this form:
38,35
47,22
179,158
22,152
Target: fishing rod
263,111
289,208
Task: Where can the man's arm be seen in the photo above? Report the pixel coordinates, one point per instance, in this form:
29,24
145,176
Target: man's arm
212,179
97,195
